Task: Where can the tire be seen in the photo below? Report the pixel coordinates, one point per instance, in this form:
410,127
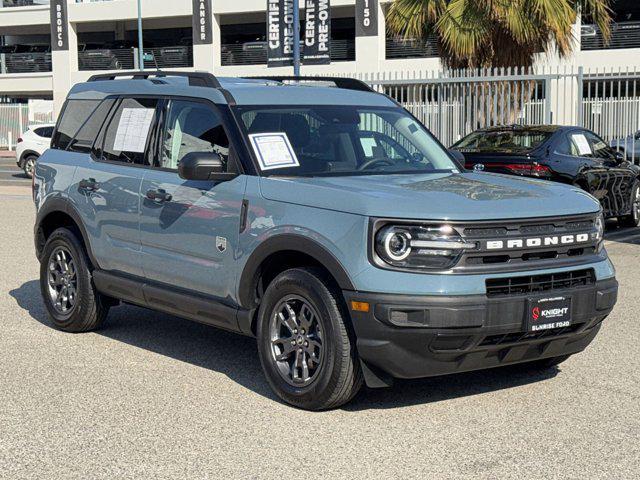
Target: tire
82,311
633,219
29,165
327,347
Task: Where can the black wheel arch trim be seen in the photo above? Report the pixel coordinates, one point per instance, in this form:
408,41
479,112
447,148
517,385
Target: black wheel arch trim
64,205
288,243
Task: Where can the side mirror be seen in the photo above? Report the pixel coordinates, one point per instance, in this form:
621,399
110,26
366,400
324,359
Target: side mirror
204,166
457,154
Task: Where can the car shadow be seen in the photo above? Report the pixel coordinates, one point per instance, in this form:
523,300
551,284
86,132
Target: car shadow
236,356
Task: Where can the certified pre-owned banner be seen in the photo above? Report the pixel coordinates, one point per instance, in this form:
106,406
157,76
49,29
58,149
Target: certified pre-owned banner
280,33
59,25
202,22
366,18
317,32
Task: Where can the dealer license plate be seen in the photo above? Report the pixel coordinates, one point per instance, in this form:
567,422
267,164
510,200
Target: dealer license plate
549,312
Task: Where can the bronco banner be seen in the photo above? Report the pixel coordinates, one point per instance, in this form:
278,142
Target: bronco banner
59,25
279,33
317,32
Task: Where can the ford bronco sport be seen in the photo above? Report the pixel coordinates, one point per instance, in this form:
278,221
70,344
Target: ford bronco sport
318,216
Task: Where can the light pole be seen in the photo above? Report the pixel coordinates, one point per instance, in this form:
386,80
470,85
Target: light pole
140,44
296,38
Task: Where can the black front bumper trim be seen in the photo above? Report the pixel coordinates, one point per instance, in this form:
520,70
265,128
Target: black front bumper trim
422,336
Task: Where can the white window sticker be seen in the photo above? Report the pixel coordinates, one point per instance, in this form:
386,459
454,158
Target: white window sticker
368,144
582,143
273,150
133,130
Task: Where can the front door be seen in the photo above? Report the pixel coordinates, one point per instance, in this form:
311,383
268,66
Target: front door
189,229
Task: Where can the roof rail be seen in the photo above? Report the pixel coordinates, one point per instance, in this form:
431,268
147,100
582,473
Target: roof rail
196,79
340,82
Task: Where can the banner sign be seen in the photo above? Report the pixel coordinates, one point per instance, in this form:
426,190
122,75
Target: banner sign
366,18
317,32
279,33
202,22
59,25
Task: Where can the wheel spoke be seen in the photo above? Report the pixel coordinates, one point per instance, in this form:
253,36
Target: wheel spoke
287,322
286,348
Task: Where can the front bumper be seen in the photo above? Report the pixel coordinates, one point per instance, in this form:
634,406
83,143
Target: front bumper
421,336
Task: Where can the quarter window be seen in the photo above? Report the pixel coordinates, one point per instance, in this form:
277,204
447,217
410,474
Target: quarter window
191,127
86,136
75,114
129,134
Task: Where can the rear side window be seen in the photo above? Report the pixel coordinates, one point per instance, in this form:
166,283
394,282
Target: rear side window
75,113
44,132
128,136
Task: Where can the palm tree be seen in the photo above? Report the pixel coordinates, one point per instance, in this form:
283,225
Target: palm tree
495,33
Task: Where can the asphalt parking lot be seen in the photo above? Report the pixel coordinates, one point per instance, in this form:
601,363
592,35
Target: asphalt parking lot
153,396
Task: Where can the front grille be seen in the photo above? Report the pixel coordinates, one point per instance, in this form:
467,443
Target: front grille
516,337
518,258
498,287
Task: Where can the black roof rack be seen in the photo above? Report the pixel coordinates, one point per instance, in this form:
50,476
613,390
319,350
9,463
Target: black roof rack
340,82
196,79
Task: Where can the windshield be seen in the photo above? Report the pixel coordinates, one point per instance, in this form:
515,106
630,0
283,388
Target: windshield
503,141
341,140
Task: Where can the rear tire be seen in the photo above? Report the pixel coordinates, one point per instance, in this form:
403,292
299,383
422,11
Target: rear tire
306,347
29,165
71,300
633,219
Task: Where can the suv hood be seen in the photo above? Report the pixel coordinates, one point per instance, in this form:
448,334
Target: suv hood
442,196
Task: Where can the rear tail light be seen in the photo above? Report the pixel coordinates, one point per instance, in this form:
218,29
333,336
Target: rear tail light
529,169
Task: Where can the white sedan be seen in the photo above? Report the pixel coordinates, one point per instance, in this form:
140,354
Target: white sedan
31,145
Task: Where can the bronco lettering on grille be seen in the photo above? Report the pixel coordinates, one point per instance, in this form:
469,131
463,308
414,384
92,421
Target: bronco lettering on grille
535,242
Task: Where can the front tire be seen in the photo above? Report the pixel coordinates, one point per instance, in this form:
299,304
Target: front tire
633,219
306,347
71,300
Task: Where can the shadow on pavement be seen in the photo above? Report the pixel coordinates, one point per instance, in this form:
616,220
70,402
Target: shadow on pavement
236,356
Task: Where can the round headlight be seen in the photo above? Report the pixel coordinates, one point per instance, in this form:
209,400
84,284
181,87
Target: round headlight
397,244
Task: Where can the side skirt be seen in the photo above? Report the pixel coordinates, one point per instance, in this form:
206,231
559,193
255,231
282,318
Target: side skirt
164,298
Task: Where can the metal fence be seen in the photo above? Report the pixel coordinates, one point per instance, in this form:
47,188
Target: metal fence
452,104
14,120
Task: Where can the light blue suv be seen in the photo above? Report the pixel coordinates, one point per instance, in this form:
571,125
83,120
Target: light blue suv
318,216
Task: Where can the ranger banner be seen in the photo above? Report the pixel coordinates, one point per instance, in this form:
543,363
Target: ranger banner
59,25
366,18
317,32
279,33
202,22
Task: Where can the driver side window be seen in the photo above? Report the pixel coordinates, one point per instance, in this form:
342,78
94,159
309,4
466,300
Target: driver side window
191,127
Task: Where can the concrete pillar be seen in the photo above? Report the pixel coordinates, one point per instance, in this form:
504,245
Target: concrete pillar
204,56
370,51
64,63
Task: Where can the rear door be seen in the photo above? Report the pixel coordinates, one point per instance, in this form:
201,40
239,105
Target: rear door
106,188
189,229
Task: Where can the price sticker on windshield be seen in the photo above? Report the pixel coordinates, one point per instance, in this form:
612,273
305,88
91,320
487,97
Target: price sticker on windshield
273,150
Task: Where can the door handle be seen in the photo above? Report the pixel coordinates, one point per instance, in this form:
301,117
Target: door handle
89,184
159,195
